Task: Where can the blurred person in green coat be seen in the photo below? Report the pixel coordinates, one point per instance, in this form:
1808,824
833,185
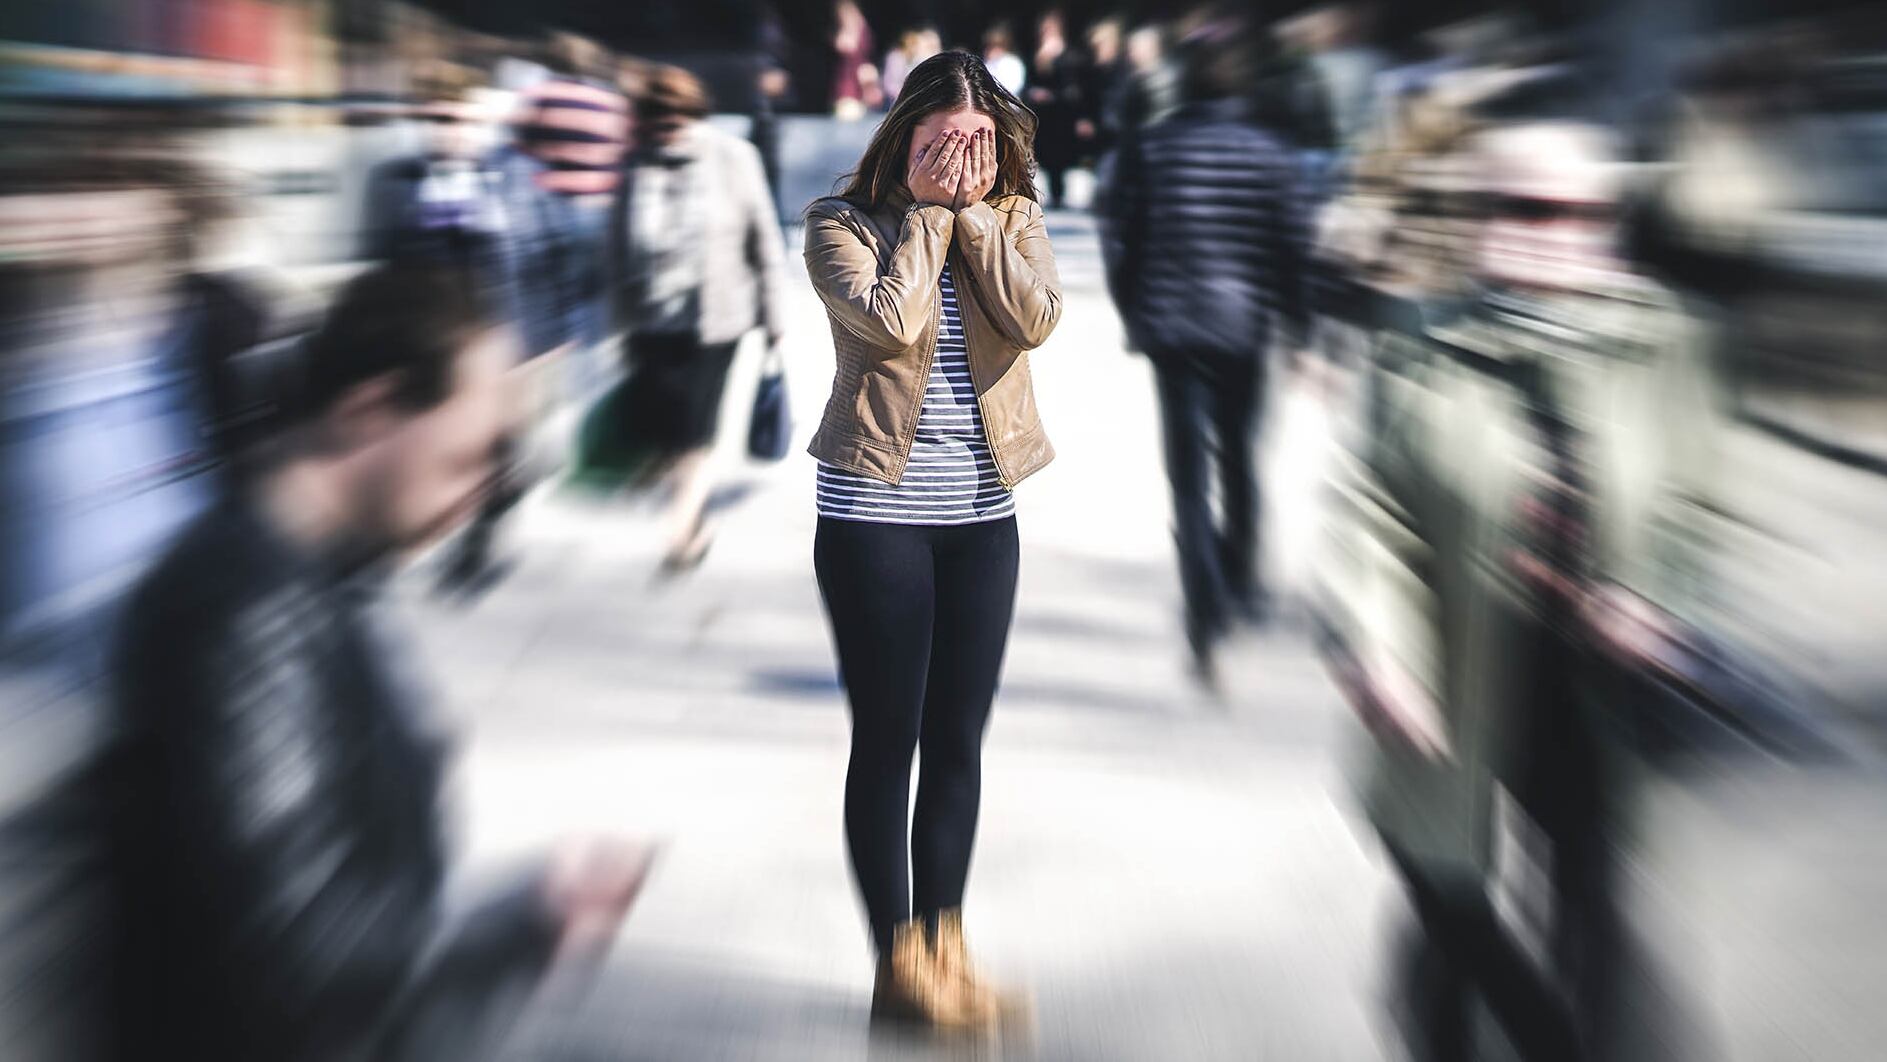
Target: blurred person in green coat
1507,566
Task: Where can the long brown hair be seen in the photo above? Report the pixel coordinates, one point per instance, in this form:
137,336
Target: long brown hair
947,81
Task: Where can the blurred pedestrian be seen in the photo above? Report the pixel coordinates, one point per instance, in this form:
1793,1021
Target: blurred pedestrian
1204,260
444,203
1520,538
576,121
555,179
915,46
276,857
697,263
226,310
1056,79
1004,64
855,88
773,91
936,272
1347,62
575,126
1151,89
1097,117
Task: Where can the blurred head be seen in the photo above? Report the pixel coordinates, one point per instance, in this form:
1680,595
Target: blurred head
404,396
569,55
1217,61
997,41
1052,24
1553,191
454,124
1104,41
1145,48
670,102
453,130
950,90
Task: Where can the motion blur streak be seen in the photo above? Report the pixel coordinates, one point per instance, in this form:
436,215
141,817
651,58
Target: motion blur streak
1453,626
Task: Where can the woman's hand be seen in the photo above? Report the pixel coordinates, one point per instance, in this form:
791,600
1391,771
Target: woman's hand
937,170
979,169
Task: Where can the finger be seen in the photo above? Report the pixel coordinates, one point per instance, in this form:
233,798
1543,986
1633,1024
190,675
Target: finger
960,154
940,150
952,155
918,162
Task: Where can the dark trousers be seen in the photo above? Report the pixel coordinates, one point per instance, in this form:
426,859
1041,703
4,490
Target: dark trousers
1566,782
1210,402
920,617
1463,952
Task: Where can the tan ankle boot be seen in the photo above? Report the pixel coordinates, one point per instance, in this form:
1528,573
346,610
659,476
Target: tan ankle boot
983,1004
909,990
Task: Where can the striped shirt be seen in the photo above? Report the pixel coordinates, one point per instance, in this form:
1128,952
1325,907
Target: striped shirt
578,131
951,476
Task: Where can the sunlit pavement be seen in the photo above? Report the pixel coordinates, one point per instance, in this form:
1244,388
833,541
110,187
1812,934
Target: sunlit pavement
1170,876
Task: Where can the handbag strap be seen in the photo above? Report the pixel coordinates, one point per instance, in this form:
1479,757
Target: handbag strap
773,363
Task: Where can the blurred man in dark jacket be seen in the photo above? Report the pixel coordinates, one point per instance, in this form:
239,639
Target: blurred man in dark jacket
1202,253
276,859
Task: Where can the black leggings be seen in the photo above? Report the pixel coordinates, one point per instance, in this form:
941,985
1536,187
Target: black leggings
920,616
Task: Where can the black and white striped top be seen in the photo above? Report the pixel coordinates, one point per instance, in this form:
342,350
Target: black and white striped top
951,476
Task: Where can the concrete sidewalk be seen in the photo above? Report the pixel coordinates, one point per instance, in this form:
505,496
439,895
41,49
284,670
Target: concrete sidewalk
1171,876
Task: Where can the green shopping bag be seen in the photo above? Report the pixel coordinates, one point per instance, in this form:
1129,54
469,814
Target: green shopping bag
611,454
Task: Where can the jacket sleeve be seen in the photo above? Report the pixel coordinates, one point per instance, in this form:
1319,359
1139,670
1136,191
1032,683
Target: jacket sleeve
888,308
1373,584
766,252
479,981
1120,213
327,928
1016,283
382,204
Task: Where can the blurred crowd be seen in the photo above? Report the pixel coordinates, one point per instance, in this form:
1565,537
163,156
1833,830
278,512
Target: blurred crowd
1595,299
1591,303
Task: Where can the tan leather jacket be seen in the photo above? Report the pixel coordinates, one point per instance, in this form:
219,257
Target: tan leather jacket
877,274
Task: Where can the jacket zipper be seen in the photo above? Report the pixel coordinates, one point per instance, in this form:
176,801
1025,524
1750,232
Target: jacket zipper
982,411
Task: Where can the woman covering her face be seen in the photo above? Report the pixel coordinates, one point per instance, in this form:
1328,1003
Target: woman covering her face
937,276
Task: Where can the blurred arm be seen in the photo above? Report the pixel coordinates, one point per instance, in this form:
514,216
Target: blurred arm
890,308
766,251
1383,608
1015,282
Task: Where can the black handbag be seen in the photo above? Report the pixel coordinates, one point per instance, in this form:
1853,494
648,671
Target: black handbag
770,430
